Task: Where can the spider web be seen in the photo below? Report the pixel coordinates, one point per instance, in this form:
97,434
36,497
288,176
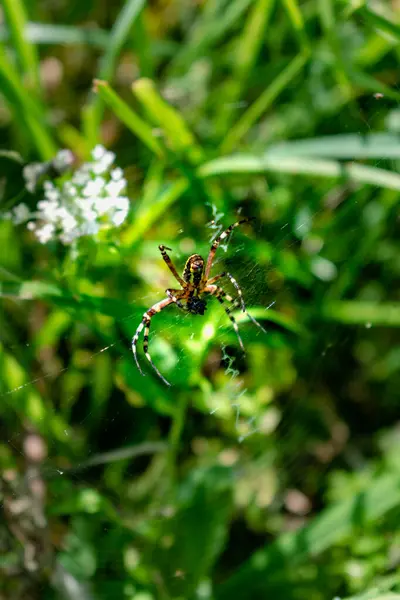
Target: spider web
233,390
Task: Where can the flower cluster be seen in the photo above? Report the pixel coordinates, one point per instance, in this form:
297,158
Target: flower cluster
82,203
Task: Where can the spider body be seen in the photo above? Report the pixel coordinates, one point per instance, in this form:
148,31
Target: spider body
195,283
193,271
196,305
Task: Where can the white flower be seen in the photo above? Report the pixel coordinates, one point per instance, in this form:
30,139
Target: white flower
90,228
89,215
31,174
117,174
98,152
102,159
102,165
119,217
69,189
51,192
122,203
104,205
21,213
48,210
83,204
63,160
114,188
45,233
94,187
81,177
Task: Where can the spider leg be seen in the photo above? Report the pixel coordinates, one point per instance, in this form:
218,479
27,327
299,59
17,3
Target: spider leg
145,324
220,295
170,264
234,283
217,242
216,290
176,296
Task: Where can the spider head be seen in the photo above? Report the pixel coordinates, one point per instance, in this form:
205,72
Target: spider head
196,306
196,264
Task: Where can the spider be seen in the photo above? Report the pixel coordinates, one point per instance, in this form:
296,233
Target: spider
195,283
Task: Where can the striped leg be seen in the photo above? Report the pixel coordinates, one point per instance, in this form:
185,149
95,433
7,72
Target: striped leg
220,296
234,283
175,296
145,324
217,242
170,264
219,293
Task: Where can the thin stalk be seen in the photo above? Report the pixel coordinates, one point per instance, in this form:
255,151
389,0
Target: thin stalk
16,18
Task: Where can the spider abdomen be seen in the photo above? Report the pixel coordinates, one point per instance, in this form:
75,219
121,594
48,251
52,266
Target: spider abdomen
193,271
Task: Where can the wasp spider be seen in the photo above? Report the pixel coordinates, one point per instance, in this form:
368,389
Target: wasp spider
195,284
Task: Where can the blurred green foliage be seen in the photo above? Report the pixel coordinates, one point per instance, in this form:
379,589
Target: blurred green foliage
275,474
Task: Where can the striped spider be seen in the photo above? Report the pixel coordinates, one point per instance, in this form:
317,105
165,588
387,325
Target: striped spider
195,283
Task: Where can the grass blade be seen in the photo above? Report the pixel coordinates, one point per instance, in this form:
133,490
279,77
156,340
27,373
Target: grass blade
119,34
263,314
125,113
177,133
369,83
342,146
26,109
26,52
44,33
150,213
379,22
143,44
262,104
248,49
330,26
117,38
247,164
296,17
208,31
368,314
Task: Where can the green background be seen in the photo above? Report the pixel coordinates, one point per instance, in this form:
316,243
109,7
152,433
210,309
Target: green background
270,475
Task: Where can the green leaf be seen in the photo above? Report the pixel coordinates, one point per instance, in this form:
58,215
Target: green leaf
262,314
248,164
20,395
57,323
271,564
47,34
342,146
366,314
30,290
197,530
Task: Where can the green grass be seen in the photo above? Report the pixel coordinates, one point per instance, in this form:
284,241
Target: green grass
273,473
